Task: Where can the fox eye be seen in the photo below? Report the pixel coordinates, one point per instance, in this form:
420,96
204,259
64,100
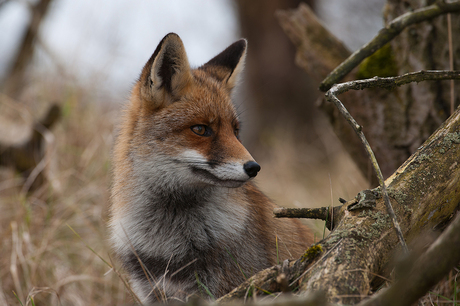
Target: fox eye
201,130
237,133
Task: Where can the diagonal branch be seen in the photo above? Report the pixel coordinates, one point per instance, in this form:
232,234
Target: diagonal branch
385,35
388,83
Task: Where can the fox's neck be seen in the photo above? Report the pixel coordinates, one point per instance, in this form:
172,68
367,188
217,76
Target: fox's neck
174,218
177,200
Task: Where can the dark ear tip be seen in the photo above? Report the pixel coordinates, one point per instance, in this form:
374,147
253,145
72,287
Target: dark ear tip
243,42
171,34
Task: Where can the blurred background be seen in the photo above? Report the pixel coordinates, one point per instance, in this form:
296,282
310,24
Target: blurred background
66,69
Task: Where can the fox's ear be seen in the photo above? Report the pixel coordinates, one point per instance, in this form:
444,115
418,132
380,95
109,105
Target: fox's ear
227,66
167,74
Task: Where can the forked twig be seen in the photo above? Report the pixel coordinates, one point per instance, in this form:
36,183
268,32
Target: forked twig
385,35
389,83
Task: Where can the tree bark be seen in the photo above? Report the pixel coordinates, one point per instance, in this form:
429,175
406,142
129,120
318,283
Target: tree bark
275,88
395,122
425,193
423,46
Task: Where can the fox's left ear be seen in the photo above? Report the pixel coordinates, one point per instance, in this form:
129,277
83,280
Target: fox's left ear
227,66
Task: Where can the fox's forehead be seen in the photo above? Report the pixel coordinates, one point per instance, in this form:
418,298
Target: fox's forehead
210,98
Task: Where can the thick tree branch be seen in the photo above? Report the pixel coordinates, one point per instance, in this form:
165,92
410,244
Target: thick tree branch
389,83
318,50
385,35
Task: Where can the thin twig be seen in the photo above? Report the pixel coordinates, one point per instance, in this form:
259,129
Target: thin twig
330,96
392,82
385,35
14,258
451,62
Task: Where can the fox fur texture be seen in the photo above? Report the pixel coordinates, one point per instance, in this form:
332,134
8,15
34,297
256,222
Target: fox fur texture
185,215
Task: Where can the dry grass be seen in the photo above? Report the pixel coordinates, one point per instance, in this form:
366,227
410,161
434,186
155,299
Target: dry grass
41,257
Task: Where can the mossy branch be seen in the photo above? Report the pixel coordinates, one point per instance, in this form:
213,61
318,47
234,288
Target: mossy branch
389,83
385,35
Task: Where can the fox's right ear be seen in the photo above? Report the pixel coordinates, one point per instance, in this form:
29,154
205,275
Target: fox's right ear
167,74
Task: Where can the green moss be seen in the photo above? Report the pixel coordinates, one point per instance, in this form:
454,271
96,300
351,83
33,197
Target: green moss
448,140
382,63
312,252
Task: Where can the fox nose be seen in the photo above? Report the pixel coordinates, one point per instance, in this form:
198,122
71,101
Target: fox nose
251,168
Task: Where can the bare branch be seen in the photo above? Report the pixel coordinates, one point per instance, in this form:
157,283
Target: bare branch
392,82
318,50
322,213
385,35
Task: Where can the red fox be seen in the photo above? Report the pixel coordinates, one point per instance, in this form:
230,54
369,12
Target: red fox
185,216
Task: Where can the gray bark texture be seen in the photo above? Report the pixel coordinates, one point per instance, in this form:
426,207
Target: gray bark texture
423,46
395,122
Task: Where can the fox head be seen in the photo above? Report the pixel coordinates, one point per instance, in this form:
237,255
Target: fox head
185,129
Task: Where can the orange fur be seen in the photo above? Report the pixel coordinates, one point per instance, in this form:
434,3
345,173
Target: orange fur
182,196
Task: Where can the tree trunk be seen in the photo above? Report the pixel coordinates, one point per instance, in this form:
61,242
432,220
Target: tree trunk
396,122
275,88
15,78
422,46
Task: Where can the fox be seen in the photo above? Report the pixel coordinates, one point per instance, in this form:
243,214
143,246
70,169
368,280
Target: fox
186,217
